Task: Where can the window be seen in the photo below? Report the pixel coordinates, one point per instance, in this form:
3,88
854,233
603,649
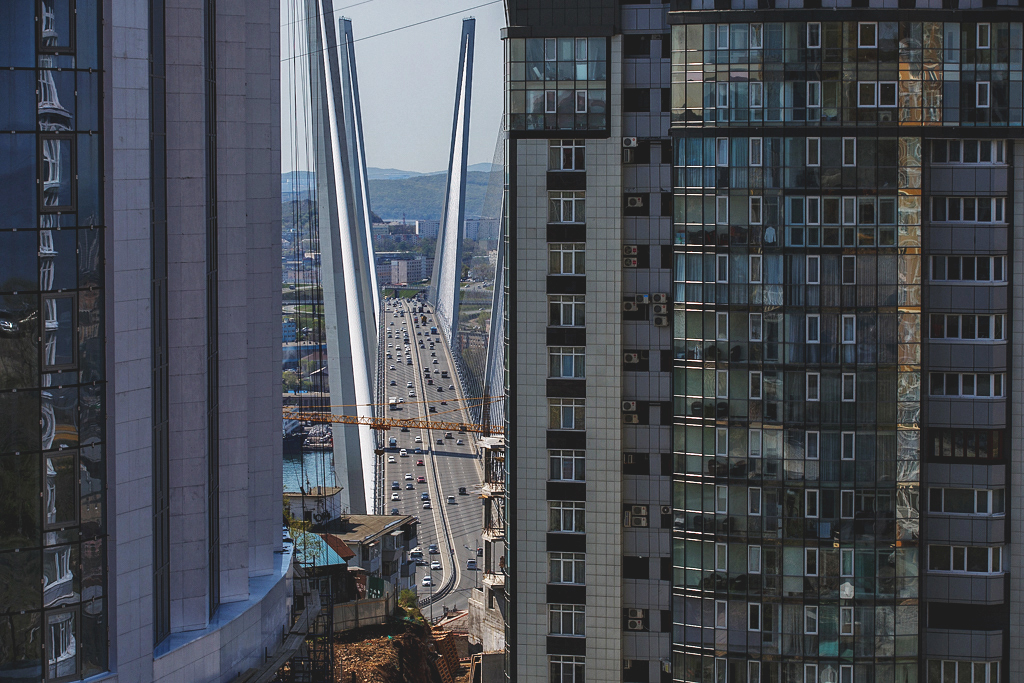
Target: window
566,413
966,443
567,567
567,362
567,155
567,669
755,151
721,557
810,673
967,501
846,673
756,36
867,34
566,515
722,268
813,34
846,562
754,501
846,621
849,387
847,446
567,207
965,559
867,94
753,443
581,101
984,36
968,268
753,672
722,151
721,384
813,386
814,270
722,500
849,268
722,210
721,614
849,211
810,620
754,327
721,441
846,504
810,561
849,151
982,89
811,503
849,329
550,101
968,209
755,90
753,616
753,559
60,350
813,216
966,384
754,261
813,152
813,91
944,670
567,258
968,151
754,385
813,328
566,310
567,465
755,211
722,95
722,326
567,620
972,327
812,441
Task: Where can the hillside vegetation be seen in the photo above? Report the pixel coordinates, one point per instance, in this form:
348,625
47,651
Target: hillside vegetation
422,197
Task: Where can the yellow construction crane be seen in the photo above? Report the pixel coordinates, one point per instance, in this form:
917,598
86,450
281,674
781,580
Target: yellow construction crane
386,423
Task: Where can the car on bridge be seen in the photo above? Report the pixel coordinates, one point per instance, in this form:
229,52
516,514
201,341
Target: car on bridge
435,565
427,581
394,485
432,549
395,511
419,463
421,480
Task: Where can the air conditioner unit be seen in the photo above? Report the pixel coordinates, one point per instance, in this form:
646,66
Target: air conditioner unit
643,299
660,309
629,142
659,298
630,250
640,521
629,306
629,262
639,510
631,419
631,358
627,458
635,614
626,519
661,321
634,625
635,202
629,406
629,155
666,509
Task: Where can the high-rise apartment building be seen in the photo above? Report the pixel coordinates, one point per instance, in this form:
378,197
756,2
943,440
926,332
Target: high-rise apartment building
847,196
589,403
140,463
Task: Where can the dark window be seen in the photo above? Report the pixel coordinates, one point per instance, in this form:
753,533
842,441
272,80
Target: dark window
636,46
636,100
666,46
666,100
666,204
635,568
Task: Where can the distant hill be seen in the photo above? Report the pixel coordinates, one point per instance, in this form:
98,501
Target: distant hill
374,173
422,197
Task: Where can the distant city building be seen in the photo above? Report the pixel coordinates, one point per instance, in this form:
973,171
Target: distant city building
428,228
381,544
481,228
288,330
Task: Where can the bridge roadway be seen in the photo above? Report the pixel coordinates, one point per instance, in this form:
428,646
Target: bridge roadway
454,527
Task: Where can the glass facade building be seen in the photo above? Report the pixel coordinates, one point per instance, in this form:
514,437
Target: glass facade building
844,198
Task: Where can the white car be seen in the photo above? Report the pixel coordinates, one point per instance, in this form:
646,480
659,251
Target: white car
427,581
435,565
418,439
391,459
408,476
394,496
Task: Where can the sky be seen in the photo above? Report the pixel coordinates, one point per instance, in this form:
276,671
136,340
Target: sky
407,80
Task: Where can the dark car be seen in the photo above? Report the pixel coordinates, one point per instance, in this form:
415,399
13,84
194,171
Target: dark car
462,491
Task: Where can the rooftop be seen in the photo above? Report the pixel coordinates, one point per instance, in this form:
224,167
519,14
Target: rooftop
316,492
362,529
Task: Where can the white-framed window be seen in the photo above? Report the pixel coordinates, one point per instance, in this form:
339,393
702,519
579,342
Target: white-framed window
581,101
566,310
849,329
867,94
959,501
721,441
723,37
810,561
567,668
810,673
968,151
754,327
722,94
722,326
813,152
849,270
721,384
567,465
846,508
567,413
722,268
867,34
846,673
984,36
567,567
754,443
813,92
567,620
968,209
943,670
812,381
968,268
754,265
567,155
846,566
721,557
966,384
846,621
753,671
721,500
567,362
970,559
722,151
813,269
813,328
722,210
849,210
755,90
567,258
756,147
849,387
811,509
847,446
754,212
550,101
982,90
753,559
813,214
754,501
973,327
753,616
887,93
812,445
567,515
756,34
813,34
567,207
810,620
721,669
721,614
754,384
849,151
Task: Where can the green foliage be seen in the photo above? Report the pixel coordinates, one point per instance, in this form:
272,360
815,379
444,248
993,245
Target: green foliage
407,602
422,197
